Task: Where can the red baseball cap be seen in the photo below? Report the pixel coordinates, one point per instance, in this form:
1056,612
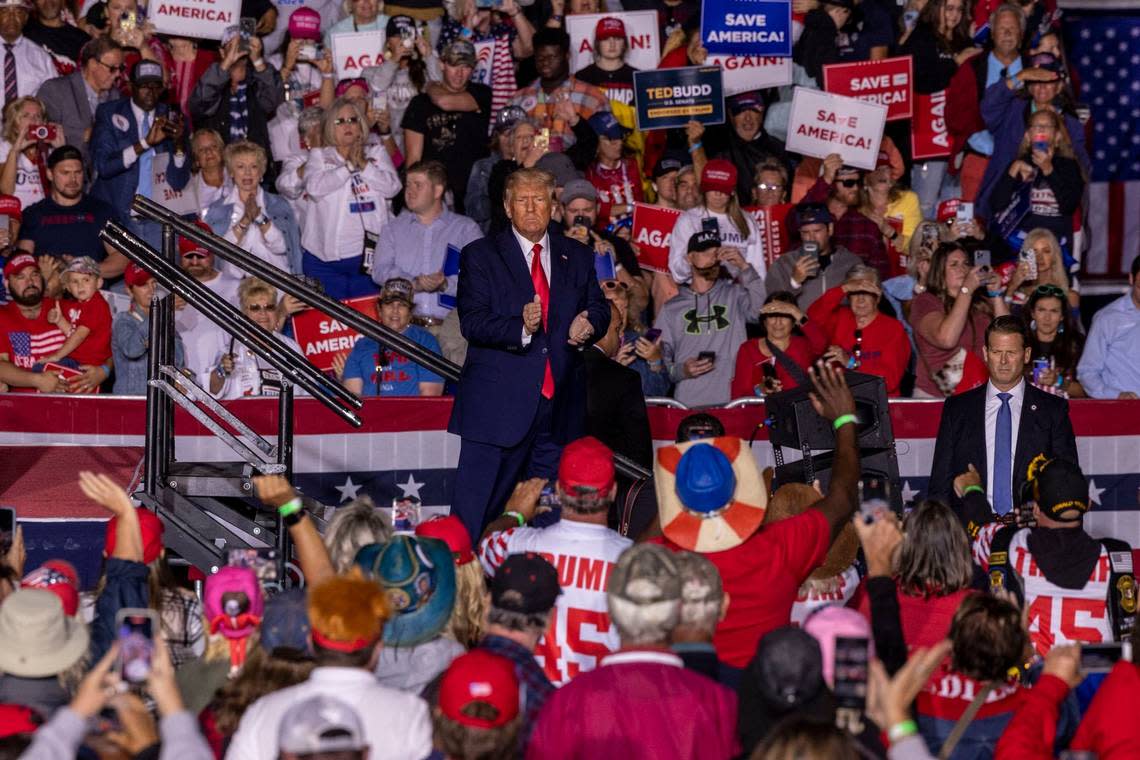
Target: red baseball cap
17,719
480,676
150,527
948,209
609,26
135,275
60,578
589,463
18,263
10,205
305,24
449,529
186,246
720,175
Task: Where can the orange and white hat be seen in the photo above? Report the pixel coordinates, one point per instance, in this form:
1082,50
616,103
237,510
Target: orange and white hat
710,495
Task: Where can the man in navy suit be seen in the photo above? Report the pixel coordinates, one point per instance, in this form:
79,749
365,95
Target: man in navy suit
129,138
998,428
528,302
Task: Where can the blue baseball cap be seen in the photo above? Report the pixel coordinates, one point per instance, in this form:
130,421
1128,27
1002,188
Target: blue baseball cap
705,480
813,213
418,575
745,101
605,124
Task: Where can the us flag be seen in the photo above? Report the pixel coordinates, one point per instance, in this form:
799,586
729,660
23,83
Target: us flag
27,349
1103,42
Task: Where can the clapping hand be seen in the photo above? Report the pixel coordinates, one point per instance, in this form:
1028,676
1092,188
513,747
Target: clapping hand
581,329
532,315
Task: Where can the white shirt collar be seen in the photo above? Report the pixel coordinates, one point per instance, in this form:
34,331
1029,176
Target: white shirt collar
141,114
1017,392
527,246
634,656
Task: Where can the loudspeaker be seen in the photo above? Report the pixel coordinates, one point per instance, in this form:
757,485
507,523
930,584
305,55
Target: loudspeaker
873,463
796,425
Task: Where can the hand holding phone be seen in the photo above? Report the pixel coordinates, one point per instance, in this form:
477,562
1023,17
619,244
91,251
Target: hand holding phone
136,631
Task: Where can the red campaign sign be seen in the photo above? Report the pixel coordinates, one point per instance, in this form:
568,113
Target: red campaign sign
67,374
889,82
652,229
773,230
321,337
929,137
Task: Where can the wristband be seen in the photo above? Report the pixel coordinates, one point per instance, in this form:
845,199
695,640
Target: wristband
517,515
844,419
972,488
291,507
327,76
902,730
695,147
105,367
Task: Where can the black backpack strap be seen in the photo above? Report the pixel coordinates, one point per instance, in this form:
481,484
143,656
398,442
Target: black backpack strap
1002,575
1121,588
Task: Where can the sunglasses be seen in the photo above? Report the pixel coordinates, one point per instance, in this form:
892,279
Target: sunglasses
847,182
762,187
346,120
1049,290
614,285
257,307
113,69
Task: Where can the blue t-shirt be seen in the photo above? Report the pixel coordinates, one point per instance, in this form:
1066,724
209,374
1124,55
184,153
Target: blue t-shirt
68,230
387,373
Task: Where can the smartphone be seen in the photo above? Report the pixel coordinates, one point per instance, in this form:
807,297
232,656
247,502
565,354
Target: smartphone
262,561
549,497
379,101
1040,141
542,139
7,528
1099,658
851,662
310,51
247,27
874,497
810,248
129,21
405,515
1029,256
136,628
652,334
582,221
965,215
707,356
710,224
173,119
983,259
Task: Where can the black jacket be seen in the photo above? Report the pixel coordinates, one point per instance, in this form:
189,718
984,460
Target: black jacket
615,407
210,101
817,45
933,66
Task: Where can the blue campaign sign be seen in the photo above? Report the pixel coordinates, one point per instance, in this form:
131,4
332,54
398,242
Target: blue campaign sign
673,97
747,27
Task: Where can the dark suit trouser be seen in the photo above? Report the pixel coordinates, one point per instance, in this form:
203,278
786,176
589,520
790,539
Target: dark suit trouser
487,474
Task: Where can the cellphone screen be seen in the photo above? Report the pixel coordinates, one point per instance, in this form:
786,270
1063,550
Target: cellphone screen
851,662
982,259
710,224
652,334
262,561
874,495
136,647
1099,658
707,355
810,248
548,497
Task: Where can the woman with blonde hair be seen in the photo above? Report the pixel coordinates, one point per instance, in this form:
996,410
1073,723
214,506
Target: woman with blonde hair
21,152
466,623
356,524
1048,267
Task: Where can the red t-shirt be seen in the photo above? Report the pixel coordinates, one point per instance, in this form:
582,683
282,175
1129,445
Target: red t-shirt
931,358
750,360
762,577
884,347
28,341
95,315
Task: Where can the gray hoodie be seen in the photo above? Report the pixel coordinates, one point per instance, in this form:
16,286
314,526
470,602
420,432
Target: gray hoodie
712,321
780,275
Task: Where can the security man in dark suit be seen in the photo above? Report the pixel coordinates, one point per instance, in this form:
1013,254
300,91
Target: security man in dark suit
998,428
528,303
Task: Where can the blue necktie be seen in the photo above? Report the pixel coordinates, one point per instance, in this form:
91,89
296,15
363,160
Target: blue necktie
146,163
1003,454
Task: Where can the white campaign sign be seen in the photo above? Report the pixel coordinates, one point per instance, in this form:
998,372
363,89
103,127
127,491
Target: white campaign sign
745,73
182,201
641,32
201,19
484,62
355,51
821,124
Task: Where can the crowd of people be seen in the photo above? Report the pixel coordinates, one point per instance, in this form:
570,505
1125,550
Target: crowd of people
711,612
373,186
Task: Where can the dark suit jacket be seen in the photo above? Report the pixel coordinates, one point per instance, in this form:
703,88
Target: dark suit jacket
114,182
615,405
501,380
210,101
1044,429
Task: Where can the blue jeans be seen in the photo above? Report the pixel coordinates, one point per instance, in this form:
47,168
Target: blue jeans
927,179
341,279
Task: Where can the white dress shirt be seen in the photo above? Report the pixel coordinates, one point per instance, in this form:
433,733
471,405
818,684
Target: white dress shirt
34,66
528,254
993,405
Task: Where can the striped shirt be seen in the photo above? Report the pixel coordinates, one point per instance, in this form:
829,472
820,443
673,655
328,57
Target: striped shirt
27,341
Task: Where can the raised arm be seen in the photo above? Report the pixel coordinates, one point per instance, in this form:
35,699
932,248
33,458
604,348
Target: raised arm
832,400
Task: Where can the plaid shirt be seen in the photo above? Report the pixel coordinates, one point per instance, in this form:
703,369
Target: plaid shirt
855,232
182,625
530,673
539,106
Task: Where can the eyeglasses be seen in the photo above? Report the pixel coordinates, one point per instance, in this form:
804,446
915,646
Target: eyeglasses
346,120
257,307
762,186
1049,290
194,256
847,182
614,284
113,69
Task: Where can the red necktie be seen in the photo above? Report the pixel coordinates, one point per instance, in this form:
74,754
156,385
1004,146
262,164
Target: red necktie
542,290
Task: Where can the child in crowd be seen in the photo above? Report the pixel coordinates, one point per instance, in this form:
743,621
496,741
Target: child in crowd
85,318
